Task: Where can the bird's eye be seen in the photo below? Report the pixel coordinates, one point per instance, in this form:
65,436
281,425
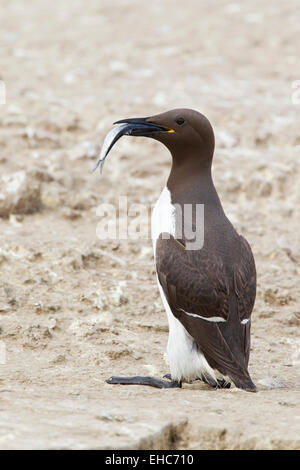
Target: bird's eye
180,121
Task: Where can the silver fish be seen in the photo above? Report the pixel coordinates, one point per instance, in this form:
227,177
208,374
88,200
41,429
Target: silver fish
132,126
114,134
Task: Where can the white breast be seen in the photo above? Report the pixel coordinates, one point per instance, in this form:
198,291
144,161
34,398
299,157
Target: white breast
163,217
183,357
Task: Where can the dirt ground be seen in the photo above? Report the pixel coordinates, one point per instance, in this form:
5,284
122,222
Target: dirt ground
74,309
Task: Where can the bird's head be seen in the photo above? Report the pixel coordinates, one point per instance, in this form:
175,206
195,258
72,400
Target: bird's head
185,132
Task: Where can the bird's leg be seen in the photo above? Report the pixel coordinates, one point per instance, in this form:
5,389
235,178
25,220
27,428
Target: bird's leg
137,380
223,384
220,383
167,376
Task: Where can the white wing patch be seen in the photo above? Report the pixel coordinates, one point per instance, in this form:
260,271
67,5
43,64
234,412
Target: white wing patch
213,319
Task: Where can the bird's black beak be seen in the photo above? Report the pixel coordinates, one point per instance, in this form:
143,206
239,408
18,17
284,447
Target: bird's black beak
133,126
141,127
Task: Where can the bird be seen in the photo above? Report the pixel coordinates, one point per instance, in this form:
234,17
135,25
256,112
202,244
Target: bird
205,270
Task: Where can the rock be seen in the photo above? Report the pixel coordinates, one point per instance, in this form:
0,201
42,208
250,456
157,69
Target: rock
15,121
100,302
82,202
94,256
2,258
52,323
60,359
283,243
287,403
263,137
294,319
271,382
258,186
273,297
15,221
70,214
40,136
36,336
119,352
117,295
20,194
92,325
106,416
50,197
63,121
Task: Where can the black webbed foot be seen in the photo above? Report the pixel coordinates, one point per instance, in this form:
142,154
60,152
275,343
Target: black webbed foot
137,380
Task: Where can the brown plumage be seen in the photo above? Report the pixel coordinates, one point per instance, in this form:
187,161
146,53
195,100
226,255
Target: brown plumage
210,290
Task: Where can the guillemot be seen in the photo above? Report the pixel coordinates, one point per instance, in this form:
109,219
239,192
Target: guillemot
208,288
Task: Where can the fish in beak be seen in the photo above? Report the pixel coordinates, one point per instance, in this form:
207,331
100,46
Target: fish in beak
132,126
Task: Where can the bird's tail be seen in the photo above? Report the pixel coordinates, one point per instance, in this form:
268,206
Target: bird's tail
244,383
238,336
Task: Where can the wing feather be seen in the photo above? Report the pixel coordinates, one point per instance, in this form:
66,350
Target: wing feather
245,280
196,282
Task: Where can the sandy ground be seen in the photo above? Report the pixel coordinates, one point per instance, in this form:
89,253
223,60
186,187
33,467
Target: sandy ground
75,309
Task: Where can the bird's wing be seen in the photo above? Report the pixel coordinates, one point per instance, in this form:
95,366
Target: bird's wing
196,280
197,290
245,280
245,289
